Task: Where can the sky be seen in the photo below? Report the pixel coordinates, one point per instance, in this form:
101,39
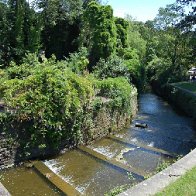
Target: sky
141,10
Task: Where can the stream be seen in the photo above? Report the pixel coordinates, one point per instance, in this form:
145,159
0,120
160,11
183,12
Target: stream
125,158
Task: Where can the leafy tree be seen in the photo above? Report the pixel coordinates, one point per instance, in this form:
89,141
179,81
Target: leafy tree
171,50
20,30
168,16
4,41
112,67
122,31
189,20
99,31
61,21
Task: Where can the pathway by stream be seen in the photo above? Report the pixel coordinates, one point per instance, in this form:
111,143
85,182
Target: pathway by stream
124,158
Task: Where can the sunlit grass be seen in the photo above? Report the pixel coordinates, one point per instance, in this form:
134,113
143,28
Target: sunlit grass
191,86
184,186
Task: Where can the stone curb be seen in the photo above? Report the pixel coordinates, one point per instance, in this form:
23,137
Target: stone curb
4,191
159,181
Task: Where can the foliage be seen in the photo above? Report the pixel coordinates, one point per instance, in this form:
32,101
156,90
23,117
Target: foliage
20,31
60,26
78,61
188,21
163,165
49,98
169,51
113,66
135,67
49,101
122,30
117,190
119,91
168,16
135,39
99,31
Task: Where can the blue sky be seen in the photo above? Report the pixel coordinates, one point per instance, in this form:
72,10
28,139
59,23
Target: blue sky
141,10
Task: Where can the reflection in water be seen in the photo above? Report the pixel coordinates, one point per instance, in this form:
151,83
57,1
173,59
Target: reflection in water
23,181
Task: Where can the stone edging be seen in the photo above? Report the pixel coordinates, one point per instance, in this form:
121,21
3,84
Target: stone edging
4,191
159,181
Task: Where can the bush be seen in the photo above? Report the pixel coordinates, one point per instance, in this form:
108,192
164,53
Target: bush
46,101
113,67
119,91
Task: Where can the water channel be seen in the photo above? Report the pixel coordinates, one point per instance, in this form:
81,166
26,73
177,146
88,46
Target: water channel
125,158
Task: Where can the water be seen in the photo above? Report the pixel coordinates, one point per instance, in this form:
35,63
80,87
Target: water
166,130
168,133
25,181
87,174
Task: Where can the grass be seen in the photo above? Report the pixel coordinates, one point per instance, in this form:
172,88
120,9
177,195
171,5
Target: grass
117,190
191,86
184,186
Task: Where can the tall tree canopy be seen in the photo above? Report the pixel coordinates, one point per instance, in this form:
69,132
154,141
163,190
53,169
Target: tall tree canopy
99,31
20,30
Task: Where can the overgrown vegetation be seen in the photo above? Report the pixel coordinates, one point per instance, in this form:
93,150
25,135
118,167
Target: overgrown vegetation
49,101
117,190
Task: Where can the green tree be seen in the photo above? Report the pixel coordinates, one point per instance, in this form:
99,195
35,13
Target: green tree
99,31
122,32
61,21
4,41
19,32
189,20
171,50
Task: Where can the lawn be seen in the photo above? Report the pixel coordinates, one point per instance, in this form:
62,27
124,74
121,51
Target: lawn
184,186
191,86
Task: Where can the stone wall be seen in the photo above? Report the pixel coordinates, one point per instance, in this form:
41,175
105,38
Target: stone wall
7,151
181,98
105,121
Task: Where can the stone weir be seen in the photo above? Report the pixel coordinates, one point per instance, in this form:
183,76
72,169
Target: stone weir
105,121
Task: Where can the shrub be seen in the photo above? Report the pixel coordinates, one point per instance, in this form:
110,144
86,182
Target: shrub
46,101
113,67
119,91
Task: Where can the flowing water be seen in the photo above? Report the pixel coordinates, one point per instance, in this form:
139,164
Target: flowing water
125,158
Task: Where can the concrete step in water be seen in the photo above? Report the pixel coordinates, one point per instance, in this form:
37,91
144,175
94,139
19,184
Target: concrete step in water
89,174
4,191
111,161
147,138
164,152
53,178
140,159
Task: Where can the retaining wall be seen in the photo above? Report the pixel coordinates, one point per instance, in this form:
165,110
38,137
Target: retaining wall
183,99
105,121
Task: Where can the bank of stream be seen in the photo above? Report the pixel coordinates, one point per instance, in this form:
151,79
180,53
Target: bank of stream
124,158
